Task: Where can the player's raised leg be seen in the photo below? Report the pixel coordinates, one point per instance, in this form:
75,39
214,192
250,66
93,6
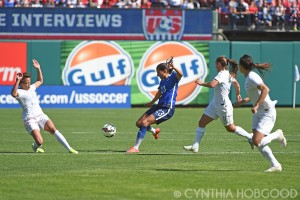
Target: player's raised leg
49,126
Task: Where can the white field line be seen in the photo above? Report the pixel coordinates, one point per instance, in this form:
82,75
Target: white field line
108,152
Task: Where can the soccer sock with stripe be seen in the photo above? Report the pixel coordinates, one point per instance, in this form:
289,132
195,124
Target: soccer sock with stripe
140,136
151,129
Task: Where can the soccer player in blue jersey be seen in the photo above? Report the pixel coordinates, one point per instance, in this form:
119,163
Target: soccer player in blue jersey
164,110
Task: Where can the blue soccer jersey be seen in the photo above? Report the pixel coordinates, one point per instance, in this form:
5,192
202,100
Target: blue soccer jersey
168,88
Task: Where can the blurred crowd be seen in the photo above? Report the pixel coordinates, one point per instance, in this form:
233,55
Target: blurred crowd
235,14
180,4
261,14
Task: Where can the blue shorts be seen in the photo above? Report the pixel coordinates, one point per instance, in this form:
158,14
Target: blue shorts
161,113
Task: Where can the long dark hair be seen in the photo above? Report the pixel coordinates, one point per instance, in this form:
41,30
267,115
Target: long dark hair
247,62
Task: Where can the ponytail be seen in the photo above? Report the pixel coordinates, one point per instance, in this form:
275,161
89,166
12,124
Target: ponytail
261,67
234,67
247,62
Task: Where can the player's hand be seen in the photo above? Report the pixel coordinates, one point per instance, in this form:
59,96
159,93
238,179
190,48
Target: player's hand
254,109
19,76
36,64
170,63
239,98
171,66
198,81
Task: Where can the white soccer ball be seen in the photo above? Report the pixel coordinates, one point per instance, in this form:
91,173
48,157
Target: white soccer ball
109,130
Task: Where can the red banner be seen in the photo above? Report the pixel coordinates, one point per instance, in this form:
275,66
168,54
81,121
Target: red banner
12,60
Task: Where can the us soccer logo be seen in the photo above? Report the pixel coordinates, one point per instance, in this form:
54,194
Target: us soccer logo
186,57
162,24
98,63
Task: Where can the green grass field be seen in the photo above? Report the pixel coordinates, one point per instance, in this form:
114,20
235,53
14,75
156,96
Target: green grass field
224,168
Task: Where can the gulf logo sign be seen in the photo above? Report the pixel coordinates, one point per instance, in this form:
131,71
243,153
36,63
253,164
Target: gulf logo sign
186,57
98,63
162,24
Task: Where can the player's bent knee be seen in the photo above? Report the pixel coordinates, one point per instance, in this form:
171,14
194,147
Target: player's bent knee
145,123
230,129
138,124
256,142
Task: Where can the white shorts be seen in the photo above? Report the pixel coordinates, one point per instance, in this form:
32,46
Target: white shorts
224,112
37,122
264,120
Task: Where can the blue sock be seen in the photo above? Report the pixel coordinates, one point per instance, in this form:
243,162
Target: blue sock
142,132
140,136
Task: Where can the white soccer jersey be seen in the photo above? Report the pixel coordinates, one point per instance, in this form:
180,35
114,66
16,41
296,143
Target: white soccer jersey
30,103
253,80
221,91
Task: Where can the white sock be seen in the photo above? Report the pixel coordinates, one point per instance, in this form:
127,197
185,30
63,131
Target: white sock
268,154
269,138
61,139
240,131
138,142
199,135
151,129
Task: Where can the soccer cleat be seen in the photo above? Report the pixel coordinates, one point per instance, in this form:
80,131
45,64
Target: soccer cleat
73,151
274,169
133,150
251,144
191,148
281,138
38,149
156,134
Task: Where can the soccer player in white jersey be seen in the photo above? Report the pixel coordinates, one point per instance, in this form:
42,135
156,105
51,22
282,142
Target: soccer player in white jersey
32,115
263,109
220,106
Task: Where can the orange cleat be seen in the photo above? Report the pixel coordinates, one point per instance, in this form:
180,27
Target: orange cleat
156,134
133,150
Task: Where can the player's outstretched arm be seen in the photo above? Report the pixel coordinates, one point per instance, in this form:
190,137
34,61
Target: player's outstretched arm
40,79
211,84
